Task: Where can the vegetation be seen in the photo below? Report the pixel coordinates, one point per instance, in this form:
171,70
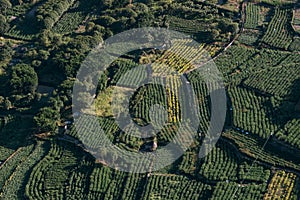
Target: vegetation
168,187
281,185
14,187
276,82
23,79
278,33
253,172
221,164
254,147
48,13
249,113
230,190
255,46
252,16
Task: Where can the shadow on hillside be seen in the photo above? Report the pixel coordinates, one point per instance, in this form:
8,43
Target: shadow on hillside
14,131
289,108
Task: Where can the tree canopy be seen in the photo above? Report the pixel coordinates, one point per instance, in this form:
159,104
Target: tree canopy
24,79
46,119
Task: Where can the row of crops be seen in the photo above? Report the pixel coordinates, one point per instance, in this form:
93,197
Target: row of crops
201,92
186,26
253,16
278,31
278,81
281,186
63,16
253,172
67,172
89,132
252,113
220,164
274,22
106,183
50,12
181,57
61,173
296,20
127,73
254,147
22,24
69,22
290,133
35,182
228,62
12,136
293,58
77,188
10,165
146,97
15,32
74,17
173,96
188,164
201,21
264,58
232,190
171,187
240,62
17,169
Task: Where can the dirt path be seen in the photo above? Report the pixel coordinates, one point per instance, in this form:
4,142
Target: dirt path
255,160
241,30
10,157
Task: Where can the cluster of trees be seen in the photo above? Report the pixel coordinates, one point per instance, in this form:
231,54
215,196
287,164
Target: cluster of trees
5,103
6,52
4,5
4,25
47,117
65,53
224,26
68,57
23,79
50,12
125,17
20,88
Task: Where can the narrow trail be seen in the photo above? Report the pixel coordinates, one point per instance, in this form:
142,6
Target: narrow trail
10,157
264,163
241,30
